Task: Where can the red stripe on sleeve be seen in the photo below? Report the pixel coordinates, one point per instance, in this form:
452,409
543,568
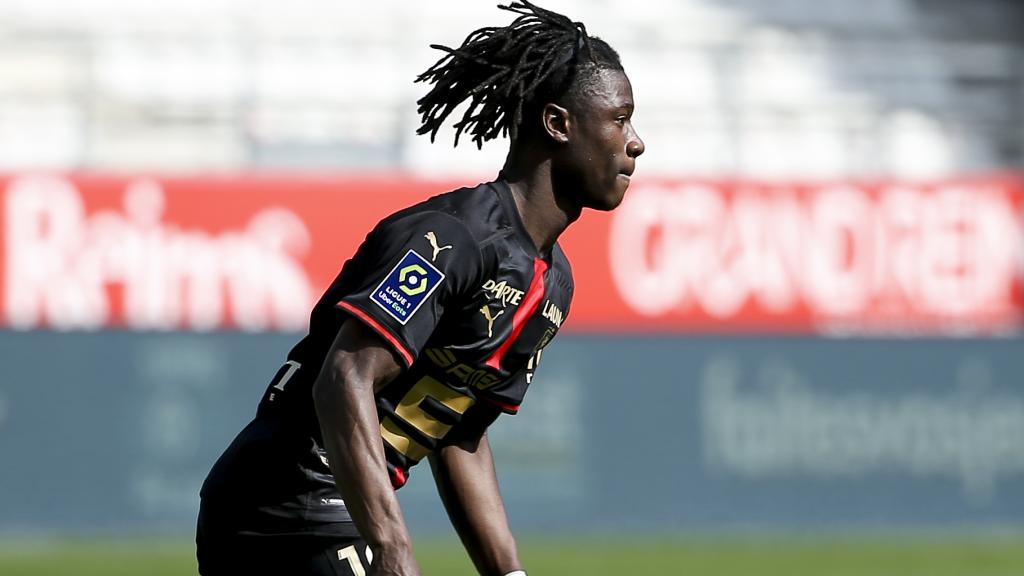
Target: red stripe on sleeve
378,328
534,294
399,478
510,408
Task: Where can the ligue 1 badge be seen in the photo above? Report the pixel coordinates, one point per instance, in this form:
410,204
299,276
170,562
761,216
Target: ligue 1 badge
407,286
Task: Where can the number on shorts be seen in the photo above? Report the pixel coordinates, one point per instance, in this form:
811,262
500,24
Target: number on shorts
349,553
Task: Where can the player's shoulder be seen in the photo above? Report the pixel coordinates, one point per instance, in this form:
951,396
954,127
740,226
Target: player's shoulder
559,260
471,210
560,264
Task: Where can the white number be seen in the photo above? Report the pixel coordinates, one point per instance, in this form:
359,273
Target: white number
293,366
349,553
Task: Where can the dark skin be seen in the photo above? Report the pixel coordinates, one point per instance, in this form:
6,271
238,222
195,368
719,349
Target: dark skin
579,155
574,155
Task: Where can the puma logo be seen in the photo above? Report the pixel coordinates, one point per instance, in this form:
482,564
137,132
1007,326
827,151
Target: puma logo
486,311
433,244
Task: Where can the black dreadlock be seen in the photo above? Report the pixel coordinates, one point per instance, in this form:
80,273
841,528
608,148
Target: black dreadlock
540,55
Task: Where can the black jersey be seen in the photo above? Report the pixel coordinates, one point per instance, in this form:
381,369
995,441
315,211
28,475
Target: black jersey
457,288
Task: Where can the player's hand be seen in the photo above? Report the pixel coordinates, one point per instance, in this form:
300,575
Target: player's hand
394,562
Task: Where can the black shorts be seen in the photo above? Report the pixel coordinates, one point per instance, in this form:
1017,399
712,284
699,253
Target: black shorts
280,554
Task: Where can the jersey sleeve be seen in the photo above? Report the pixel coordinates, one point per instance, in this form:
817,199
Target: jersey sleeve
407,272
473,425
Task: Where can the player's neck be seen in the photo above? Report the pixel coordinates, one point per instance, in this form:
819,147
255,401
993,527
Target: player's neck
544,214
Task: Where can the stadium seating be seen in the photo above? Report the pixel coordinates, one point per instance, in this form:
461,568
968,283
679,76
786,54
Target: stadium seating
725,88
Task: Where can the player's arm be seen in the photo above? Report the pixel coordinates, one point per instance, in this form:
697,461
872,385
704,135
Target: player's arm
358,364
468,486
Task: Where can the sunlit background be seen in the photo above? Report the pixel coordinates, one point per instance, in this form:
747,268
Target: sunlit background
795,348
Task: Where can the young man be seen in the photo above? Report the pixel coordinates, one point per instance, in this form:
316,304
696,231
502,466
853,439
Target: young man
434,327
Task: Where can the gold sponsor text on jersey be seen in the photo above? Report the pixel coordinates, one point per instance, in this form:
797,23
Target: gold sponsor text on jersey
469,376
553,313
503,292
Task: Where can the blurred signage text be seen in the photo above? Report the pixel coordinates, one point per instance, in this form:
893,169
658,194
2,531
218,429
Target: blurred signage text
253,252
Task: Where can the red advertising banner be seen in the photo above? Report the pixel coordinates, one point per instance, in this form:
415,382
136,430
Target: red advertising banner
835,258
253,253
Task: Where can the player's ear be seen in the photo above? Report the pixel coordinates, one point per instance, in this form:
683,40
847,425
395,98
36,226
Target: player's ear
556,122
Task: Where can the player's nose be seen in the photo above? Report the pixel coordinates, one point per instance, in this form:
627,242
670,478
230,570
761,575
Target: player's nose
634,145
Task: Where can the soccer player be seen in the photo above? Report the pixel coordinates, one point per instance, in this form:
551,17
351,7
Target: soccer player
434,327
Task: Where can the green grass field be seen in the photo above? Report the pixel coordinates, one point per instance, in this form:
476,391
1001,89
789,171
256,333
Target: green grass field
729,556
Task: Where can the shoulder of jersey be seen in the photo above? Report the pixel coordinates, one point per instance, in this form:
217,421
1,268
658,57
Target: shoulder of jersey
477,208
560,262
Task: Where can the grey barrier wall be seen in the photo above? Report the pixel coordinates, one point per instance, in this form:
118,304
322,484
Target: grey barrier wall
114,432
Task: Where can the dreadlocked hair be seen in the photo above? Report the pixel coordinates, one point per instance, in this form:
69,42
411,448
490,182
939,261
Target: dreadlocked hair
502,70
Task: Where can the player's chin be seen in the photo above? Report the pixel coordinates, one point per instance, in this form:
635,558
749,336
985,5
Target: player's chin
611,199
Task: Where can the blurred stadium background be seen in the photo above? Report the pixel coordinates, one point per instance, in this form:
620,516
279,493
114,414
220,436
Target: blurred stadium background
795,349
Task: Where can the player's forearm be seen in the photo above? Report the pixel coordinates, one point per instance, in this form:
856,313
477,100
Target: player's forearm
349,425
468,487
